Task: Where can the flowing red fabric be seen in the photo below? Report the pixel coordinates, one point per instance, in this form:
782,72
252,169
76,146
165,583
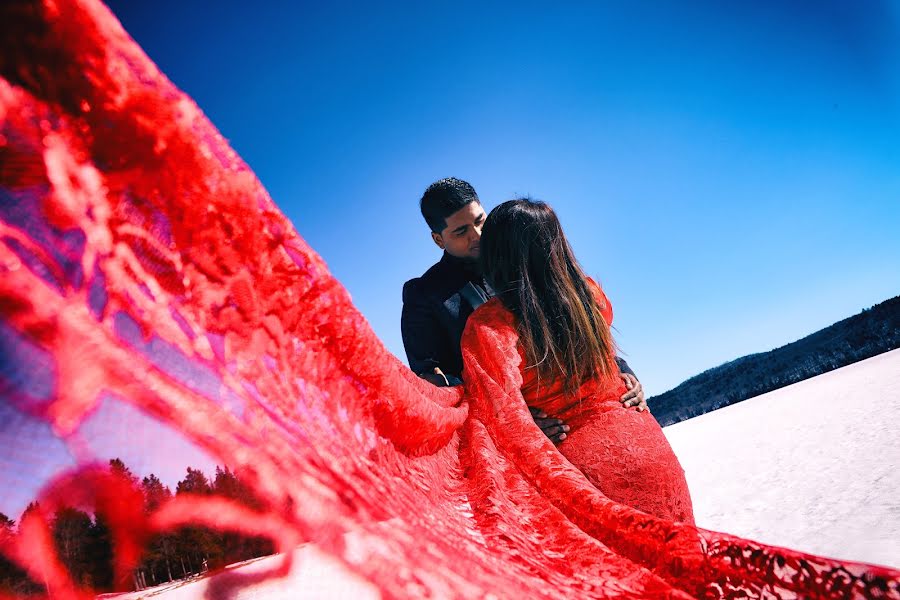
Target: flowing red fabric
142,261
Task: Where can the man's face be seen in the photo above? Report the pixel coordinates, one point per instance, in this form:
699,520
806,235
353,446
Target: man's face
462,235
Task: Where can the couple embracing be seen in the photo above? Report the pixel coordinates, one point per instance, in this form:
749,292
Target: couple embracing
509,312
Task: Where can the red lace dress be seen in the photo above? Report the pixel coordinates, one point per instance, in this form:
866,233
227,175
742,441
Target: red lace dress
621,451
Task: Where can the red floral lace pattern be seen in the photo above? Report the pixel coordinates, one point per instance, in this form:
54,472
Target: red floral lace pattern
623,453
143,264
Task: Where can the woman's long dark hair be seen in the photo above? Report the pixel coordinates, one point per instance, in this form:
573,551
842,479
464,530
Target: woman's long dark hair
529,263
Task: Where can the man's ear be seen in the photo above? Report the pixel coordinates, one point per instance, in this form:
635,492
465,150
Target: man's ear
438,240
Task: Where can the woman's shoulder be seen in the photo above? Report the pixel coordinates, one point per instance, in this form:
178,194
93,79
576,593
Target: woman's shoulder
490,328
491,318
595,288
492,312
602,300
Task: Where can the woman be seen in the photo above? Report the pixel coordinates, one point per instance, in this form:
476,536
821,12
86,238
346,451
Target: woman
546,337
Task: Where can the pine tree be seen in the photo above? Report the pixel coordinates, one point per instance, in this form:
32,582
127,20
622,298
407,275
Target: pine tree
158,559
195,482
71,530
13,579
194,543
118,468
155,493
237,547
100,552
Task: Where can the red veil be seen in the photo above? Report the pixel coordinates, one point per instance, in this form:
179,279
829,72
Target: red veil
144,268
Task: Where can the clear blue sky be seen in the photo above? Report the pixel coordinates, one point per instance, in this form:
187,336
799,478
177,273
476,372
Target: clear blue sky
730,172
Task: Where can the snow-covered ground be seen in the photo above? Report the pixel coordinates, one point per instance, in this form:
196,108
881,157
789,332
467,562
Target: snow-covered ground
814,466
313,575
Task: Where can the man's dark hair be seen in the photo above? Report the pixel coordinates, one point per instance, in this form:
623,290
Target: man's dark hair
443,198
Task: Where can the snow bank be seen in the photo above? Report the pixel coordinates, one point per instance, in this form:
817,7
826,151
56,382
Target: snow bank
313,575
814,466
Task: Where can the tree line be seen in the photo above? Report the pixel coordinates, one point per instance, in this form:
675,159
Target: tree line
871,332
84,545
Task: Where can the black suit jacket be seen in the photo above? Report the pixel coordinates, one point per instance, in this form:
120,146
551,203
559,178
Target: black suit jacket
435,309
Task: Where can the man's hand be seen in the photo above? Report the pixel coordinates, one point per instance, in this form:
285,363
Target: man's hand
635,394
552,428
436,377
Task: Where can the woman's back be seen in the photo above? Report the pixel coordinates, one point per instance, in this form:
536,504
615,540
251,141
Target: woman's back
595,395
621,451
545,342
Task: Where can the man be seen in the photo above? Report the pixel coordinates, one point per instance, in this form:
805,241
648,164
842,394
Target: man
437,304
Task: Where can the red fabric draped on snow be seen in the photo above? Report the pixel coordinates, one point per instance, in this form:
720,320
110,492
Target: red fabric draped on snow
143,263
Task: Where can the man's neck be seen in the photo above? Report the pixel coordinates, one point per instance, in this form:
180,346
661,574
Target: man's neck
470,265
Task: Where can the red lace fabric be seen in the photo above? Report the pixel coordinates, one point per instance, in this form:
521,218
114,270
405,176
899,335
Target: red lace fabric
622,452
145,267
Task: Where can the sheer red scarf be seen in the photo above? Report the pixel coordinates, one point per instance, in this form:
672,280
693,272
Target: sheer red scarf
145,271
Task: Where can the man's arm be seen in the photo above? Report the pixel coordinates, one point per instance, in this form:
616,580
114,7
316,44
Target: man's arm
623,366
423,337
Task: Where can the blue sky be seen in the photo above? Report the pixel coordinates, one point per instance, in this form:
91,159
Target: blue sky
730,172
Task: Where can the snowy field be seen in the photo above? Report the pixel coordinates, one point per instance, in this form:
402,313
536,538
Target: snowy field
314,575
814,466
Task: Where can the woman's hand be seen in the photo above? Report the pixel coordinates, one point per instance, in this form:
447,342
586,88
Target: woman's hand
635,394
554,429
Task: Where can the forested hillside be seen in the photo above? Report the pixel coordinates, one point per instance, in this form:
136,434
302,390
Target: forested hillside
873,331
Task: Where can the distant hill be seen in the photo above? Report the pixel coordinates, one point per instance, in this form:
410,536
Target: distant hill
873,331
